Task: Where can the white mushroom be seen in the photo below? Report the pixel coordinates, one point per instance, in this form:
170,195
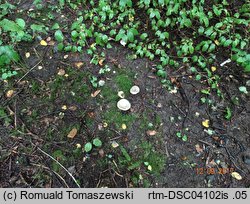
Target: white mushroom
134,90
123,104
121,94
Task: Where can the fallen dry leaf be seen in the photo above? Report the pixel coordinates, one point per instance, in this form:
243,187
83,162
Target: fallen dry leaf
198,148
73,108
27,54
151,132
205,123
213,68
43,43
9,93
95,93
61,72
51,43
72,133
101,61
124,126
79,64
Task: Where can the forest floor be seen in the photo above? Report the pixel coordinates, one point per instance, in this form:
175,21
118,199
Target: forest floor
56,109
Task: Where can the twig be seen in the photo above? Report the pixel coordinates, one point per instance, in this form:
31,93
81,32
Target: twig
60,166
28,71
204,142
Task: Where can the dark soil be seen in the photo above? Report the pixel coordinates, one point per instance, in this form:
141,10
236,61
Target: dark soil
38,122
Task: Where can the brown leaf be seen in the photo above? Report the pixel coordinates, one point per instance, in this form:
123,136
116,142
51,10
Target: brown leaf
72,133
73,108
61,72
79,64
151,132
9,93
101,61
95,93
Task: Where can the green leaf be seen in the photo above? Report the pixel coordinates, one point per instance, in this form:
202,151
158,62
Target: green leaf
20,22
88,147
161,73
184,138
205,47
143,36
228,114
178,134
59,36
55,26
125,153
60,46
243,89
97,142
8,25
38,28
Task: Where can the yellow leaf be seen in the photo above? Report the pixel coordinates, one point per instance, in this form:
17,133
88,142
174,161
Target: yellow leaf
216,42
78,146
9,93
105,124
27,54
149,167
72,133
64,107
205,123
79,64
43,43
213,68
236,175
124,126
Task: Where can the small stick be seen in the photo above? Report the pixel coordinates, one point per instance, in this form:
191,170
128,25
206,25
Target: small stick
28,72
60,166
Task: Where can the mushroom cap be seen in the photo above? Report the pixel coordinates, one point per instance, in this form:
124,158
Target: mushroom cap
134,90
124,104
121,94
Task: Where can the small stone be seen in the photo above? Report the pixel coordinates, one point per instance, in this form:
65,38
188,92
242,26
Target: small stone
40,67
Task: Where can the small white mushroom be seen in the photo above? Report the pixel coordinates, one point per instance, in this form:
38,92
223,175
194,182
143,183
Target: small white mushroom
121,94
134,90
123,104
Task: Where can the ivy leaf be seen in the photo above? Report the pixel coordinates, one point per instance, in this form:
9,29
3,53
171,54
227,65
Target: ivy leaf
124,3
20,22
97,142
8,25
161,73
59,36
88,147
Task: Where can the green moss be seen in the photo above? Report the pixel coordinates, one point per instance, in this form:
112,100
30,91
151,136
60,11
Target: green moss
117,118
124,82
